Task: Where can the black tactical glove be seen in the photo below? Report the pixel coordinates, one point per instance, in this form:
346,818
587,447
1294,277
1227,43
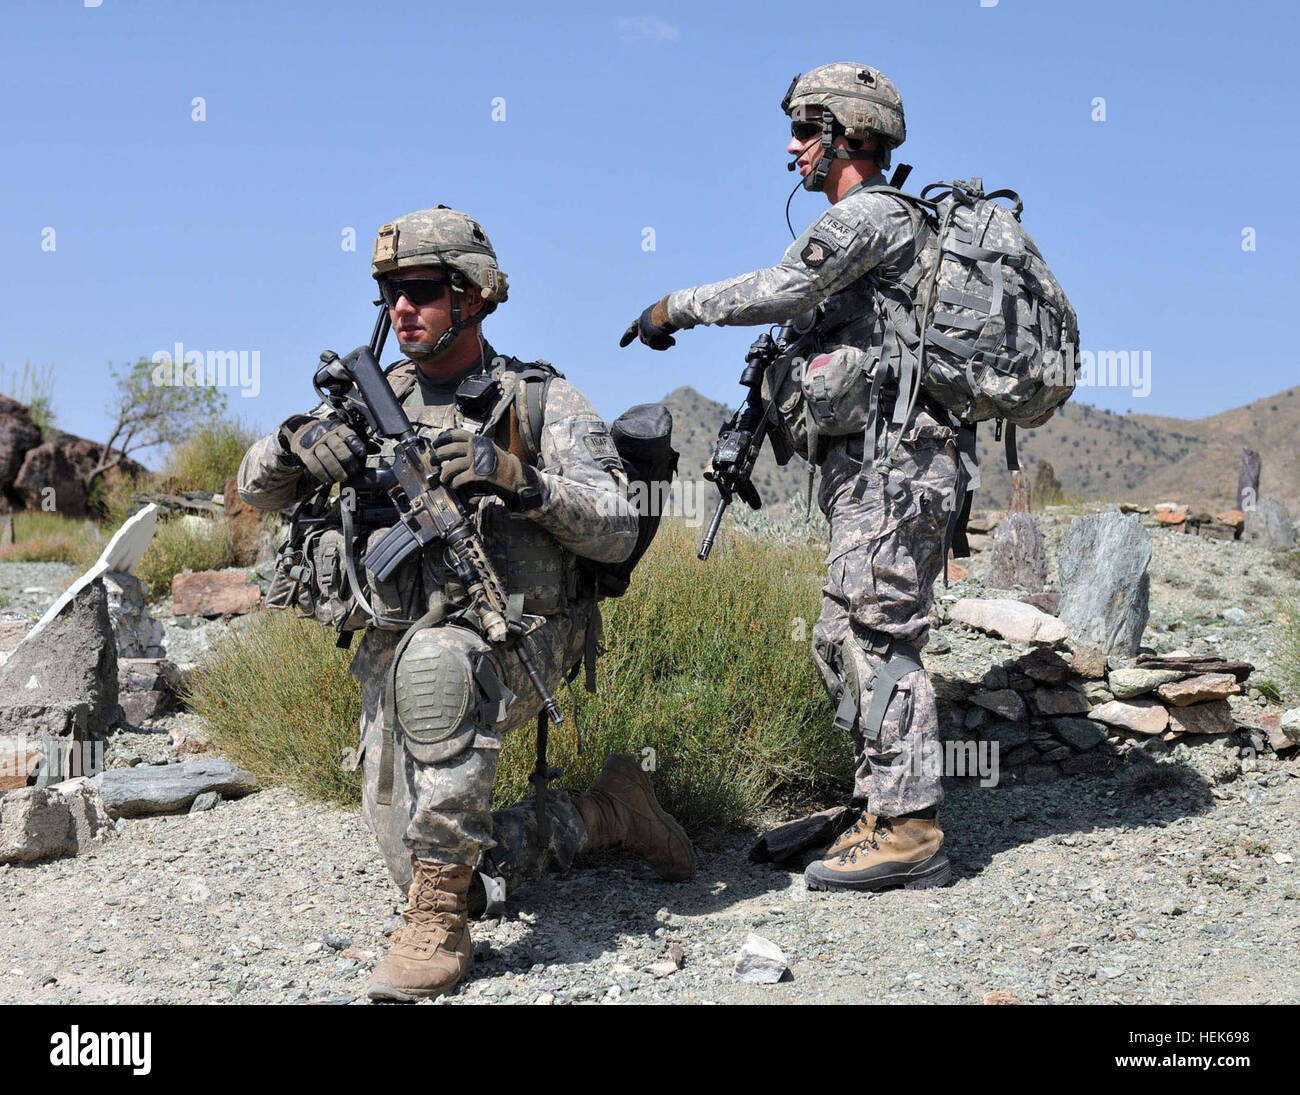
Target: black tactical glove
653,328
328,448
475,464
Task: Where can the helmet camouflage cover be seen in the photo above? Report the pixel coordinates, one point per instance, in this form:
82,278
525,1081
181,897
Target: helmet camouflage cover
440,237
863,99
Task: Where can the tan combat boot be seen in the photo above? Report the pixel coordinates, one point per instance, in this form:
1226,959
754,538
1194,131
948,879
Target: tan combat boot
857,833
903,851
621,811
434,950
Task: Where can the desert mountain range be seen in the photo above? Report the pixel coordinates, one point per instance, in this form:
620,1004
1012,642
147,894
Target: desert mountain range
1097,455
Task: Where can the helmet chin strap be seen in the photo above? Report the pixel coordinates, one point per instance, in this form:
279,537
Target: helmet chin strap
816,178
423,351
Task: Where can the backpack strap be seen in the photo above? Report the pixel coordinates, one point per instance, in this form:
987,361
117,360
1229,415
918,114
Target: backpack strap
520,413
401,378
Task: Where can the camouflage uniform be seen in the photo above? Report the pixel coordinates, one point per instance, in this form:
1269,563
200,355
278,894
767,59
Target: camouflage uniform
441,809
886,546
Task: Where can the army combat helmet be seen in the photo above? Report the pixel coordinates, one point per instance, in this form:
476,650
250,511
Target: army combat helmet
857,102
455,241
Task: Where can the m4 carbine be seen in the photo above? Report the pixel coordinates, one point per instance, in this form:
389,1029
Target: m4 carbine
741,439
428,512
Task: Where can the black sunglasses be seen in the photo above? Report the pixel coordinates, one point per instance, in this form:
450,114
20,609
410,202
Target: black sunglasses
419,291
805,131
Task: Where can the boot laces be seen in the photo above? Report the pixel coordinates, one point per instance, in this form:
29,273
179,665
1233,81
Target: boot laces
874,834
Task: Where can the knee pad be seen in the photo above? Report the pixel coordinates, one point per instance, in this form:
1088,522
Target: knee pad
445,691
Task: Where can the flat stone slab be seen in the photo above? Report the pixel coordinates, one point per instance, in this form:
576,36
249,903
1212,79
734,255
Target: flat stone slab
213,593
1014,621
1140,716
1203,718
1060,701
1195,663
170,788
1125,683
1080,733
1003,701
796,837
1208,686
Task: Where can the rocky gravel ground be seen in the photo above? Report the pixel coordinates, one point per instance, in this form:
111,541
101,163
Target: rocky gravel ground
1172,881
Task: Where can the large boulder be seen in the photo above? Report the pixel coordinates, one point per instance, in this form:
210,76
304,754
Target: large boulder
1105,584
18,435
1019,555
62,678
1270,524
60,466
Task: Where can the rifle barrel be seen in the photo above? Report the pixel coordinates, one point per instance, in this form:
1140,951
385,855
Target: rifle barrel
711,534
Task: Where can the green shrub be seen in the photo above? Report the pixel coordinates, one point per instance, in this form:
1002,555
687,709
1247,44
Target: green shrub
707,666
1288,656
278,700
182,545
111,497
1288,562
41,537
34,388
209,458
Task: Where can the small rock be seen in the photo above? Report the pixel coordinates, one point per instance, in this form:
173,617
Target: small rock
1236,616
999,997
337,941
206,801
1089,661
1290,724
759,962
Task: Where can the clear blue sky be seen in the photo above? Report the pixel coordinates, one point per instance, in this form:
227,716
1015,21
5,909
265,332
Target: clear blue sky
320,116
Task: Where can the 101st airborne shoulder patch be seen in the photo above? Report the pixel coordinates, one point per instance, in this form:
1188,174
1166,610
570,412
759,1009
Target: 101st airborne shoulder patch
815,252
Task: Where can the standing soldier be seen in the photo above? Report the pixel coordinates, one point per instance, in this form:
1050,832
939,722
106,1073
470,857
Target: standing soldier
850,273
542,476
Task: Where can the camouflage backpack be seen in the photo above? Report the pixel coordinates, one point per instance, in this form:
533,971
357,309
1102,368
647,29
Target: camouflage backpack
998,338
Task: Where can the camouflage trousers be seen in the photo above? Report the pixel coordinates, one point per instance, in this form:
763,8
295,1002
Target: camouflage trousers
443,811
886,550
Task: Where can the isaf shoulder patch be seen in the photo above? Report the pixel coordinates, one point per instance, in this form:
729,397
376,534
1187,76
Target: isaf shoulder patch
835,230
602,447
